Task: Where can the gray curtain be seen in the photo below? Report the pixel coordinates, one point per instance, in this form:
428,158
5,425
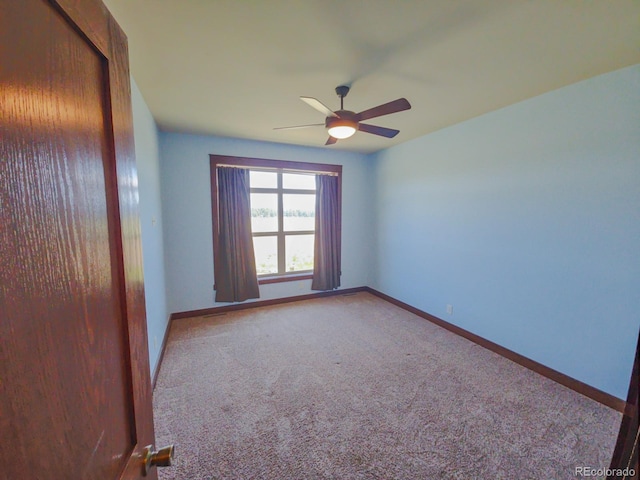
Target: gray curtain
235,267
326,259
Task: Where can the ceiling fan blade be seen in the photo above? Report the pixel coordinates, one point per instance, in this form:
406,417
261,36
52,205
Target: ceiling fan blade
300,126
385,109
331,140
318,105
382,131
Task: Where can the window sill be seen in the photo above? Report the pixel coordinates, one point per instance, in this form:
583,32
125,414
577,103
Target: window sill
290,277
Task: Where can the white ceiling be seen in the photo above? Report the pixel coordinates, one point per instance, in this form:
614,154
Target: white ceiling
237,68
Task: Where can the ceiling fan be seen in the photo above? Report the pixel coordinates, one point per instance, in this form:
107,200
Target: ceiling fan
344,123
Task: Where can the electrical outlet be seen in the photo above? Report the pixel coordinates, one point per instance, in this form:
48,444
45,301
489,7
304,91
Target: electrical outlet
450,309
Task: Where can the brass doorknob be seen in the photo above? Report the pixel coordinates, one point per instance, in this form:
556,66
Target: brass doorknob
160,458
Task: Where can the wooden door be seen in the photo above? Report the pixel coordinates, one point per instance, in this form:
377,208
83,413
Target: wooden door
75,396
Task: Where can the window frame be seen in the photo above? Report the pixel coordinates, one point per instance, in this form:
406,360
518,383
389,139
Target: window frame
281,166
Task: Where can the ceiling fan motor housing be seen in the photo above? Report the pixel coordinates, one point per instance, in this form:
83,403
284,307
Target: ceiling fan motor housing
344,118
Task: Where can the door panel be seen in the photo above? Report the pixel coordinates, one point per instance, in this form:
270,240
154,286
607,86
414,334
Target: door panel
74,381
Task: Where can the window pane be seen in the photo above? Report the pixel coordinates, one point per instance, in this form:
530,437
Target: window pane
295,180
263,179
299,252
299,212
266,250
264,212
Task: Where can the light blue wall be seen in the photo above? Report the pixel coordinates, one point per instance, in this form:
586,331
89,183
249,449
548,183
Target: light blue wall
148,163
186,195
527,221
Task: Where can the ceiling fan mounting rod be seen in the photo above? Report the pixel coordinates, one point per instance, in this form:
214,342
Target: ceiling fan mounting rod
342,91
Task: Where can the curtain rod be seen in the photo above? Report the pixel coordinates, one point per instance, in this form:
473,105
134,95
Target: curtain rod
278,169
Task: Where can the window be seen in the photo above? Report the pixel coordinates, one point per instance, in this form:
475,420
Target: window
282,220
283,202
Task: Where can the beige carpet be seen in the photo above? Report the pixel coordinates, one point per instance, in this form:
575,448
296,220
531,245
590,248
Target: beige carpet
352,387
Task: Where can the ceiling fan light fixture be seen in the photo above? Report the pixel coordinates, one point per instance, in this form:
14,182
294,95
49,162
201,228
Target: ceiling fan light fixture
342,128
342,131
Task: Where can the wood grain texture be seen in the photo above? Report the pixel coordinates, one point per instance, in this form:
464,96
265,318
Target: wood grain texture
625,454
75,384
131,245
